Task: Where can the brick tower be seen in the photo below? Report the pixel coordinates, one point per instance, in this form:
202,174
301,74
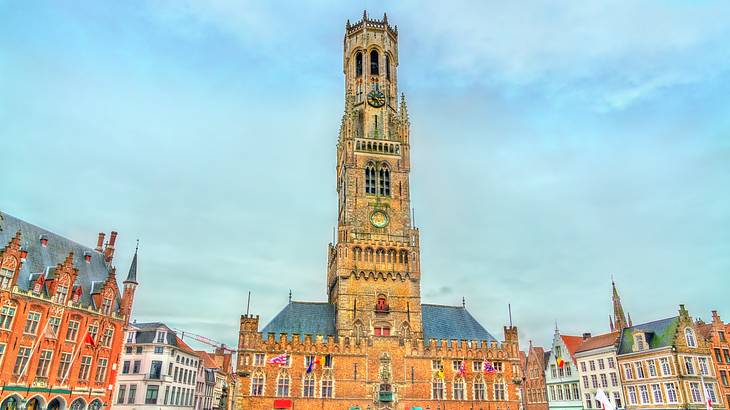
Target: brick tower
373,274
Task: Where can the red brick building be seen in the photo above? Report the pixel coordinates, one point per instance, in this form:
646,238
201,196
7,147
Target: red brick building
533,386
374,344
53,293
716,334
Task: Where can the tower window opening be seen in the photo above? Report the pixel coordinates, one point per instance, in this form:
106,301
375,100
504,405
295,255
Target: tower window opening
370,179
387,66
384,181
382,304
374,65
358,64
382,331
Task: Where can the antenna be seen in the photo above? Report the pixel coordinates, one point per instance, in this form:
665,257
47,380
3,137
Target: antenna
413,217
289,295
248,303
509,309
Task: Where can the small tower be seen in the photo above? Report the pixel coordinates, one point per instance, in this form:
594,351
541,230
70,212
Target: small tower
130,286
619,317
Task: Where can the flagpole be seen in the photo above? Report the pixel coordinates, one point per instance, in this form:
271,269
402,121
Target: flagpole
32,352
77,350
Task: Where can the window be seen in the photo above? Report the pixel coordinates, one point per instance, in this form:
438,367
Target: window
382,331
437,389
282,386
710,389
125,367
614,379
585,382
327,387
6,278
583,367
21,360
671,392
31,325
639,341
479,389
601,364
458,389
632,394
106,339
689,335
498,366
617,399
594,381
576,394
559,391
120,396
553,371
589,402
138,350
160,337
592,365
604,380
689,365
726,353
370,179
652,368
259,359
656,391
128,349
106,306
387,66
132,393
666,371
694,388
552,393
384,181
704,370
723,377
2,352
499,391
628,371
85,367
640,370
63,366
93,330
358,64
44,362
151,397
101,370
6,317
568,371
477,366
135,367
611,363
566,389
644,394
721,335
72,331
374,65
61,294
159,350
718,356
308,386
54,323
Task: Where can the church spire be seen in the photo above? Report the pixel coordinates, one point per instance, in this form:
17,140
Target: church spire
132,275
618,310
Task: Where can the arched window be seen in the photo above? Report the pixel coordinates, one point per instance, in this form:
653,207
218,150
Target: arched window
370,179
282,385
357,331
257,383
358,64
374,65
368,254
437,388
308,385
405,330
327,385
458,393
387,66
689,334
479,388
384,180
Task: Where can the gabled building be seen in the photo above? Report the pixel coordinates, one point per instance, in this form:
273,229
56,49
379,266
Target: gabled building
533,385
716,334
206,383
62,318
598,369
561,373
158,370
664,363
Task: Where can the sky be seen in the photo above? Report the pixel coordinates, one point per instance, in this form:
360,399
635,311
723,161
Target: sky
554,145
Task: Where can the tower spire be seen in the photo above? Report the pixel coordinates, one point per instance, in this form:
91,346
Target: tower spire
132,275
620,322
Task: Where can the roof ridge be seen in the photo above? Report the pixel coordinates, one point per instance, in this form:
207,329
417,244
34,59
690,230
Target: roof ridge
437,305
50,232
652,322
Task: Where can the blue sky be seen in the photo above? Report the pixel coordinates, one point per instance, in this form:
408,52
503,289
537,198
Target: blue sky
554,144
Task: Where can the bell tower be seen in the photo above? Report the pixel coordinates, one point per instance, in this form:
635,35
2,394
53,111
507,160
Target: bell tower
373,269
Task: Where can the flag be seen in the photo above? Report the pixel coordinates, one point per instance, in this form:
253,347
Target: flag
313,362
708,398
89,340
603,399
280,359
560,362
488,368
440,374
50,333
462,369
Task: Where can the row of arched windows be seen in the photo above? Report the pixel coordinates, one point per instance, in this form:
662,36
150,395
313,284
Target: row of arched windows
388,148
379,255
377,182
459,389
374,64
283,385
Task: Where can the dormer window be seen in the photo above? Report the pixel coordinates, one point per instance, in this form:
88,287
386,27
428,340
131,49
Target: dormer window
639,342
130,337
106,306
160,337
6,278
61,294
689,334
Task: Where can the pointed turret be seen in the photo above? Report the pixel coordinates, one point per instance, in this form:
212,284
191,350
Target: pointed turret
132,275
403,108
618,310
130,286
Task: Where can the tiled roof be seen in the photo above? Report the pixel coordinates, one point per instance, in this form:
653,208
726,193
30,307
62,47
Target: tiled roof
451,323
571,343
540,355
304,318
704,329
40,258
208,361
184,346
597,342
659,334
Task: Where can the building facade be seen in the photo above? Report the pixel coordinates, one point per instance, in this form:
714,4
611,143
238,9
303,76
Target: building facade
562,379
664,364
206,382
158,370
373,344
533,385
598,369
62,319
715,335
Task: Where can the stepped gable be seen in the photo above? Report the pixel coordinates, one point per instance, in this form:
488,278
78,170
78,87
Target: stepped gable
598,341
452,323
43,260
659,333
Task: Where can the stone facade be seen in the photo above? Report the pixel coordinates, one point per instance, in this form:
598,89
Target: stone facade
534,389
715,334
374,344
53,294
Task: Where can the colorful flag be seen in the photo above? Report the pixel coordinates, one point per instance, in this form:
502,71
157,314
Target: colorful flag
280,359
313,362
50,333
488,368
708,398
440,374
89,340
603,399
560,362
462,368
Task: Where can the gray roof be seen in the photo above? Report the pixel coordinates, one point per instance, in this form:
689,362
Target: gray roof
44,259
451,323
132,275
659,334
147,333
304,318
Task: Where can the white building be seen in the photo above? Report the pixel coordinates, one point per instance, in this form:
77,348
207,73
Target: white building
158,370
598,369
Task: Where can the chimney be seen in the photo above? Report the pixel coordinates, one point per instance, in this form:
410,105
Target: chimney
109,249
586,336
100,242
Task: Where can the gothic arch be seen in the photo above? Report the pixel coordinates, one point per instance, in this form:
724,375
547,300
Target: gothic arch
78,404
36,402
374,62
11,402
95,405
358,63
57,403
370,177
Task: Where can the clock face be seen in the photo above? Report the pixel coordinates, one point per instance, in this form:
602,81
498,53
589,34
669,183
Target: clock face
376,98
379,219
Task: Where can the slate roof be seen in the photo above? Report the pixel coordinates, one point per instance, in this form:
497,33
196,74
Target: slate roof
597,342
659,334
147,333
451,323
44,259
318,318
304,318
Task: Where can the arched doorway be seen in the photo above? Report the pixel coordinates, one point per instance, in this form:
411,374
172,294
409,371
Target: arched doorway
56,404
10,403
35,403
95,405
78,404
